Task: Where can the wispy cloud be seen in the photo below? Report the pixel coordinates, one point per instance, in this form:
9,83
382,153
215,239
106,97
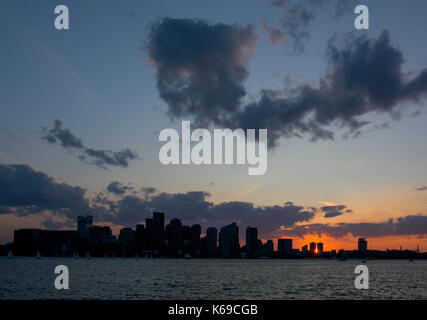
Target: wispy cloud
102,158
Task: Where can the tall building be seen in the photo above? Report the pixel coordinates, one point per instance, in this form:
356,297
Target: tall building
320,248
139,238
229,241
251,241
158,230
148,236
284,245
83,224
127,240
175,237
267,249
211,241
26,242
313,247
362,245
195,243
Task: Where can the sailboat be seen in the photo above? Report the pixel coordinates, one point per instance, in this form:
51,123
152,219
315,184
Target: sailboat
38,255
10,254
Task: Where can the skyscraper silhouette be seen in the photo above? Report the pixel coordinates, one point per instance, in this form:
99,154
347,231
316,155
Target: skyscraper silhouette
251,241
229,241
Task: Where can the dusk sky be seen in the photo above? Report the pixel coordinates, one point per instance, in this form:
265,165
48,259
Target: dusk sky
81,111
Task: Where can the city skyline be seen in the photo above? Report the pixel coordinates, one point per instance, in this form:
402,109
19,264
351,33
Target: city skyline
82,109
154,238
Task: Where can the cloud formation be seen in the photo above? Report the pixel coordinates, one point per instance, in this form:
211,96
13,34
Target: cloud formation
203,79
118,188
403,226
299,15
201,67
102,158
335,211
24,191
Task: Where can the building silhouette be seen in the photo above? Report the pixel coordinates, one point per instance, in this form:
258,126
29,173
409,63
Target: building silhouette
83,224
319,248
229,246
195,242
211,242
252,245
127,241
284,246
312,247
362,245
158,229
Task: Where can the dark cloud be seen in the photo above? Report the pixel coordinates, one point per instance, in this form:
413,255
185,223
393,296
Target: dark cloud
275,35
334,211
194,207
118,188
148,191
423,188
200,74
33,191
299,15
24,191
100,158
200,67
364,77
403,226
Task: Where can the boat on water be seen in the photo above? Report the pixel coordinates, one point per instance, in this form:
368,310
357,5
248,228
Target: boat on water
187,256
38,255
10,254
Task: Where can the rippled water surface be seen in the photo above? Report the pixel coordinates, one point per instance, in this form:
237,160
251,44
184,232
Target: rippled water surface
98,278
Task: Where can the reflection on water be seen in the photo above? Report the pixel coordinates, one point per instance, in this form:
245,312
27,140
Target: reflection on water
30,278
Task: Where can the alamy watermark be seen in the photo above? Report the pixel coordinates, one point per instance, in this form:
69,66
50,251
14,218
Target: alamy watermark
197,147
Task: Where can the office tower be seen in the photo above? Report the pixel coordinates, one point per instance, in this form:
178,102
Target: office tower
126,239
229,241
26,242
304,248
175,237
139,238
284,245
320,248
98,231
267,249
158,230
313,247
148,234
83,224
362,245
186,237
211,241
251,241
195,243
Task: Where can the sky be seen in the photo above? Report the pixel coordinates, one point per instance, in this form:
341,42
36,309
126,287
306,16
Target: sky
81,111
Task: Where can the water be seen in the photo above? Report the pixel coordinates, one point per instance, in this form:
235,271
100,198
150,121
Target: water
100,278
